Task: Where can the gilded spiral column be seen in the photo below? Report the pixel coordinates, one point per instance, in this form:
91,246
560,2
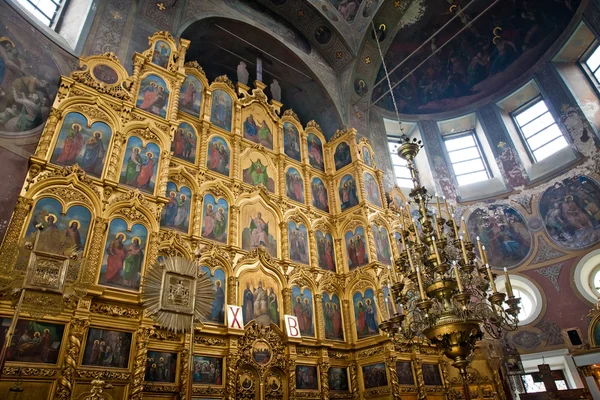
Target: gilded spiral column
203,144
184,374
347,320
174,105
371,240
233,231
235,164
112,172
292,378
308,199
324,370
164,172
287,300
97,242
338,253
64,388
135,76
153,247
230,376
232,283
354,382
332,194
281,164
197,226
10,245
380,186
48,133
312,241
390,362
285,251
318,306
360,178
139,368
418,367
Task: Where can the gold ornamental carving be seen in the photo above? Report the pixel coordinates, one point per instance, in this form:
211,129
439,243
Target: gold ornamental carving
114,310
139,368
29,372
209,341
105,375
64,388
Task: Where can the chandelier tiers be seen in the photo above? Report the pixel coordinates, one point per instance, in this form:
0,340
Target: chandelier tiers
439,290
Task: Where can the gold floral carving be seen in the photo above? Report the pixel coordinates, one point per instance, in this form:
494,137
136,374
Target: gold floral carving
70,171
206,390
313,124
185,373
159,334
224,79
114,310
68,194
64,387
194,64
92,112
209,341
375,351
306,351
48,133
105,375
153,388
290,113
129,196
27,371
139,368
338,355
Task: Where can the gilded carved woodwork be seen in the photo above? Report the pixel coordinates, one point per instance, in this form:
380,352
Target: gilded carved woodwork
139,369
69,371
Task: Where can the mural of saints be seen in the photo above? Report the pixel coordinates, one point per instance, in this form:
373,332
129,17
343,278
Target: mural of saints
332,317
258,132
221,110
176,213
124,253
218,156
260,301
107,348
33,341
365,314
184,142
372,190
140,165
217,310
257,174
291,141
160,367
153,96
298,242
294,185
260,226
325,251
161,54
382,245
342,156
356,248
190,98
215,218
78,144
302,306
315,152
319,195
347,192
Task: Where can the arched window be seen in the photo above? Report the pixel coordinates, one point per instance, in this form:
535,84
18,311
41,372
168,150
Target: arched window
587,276
531,297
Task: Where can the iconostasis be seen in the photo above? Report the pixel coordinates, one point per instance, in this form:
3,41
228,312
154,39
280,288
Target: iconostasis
161,162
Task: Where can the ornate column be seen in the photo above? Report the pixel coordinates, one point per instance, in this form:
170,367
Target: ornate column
197,222
164,172
203,144
347,321
292,378
379,174
287,300
232,283
184,374
371,240
64,387
281,164
314,257
235,158
231,382
139,369
318,306
176,83
234,216
48,133
360,181
13,232
338,253
112,173
308,199
418,366
285,251
332,195
96,246
390,362
153,247
354,382
324,371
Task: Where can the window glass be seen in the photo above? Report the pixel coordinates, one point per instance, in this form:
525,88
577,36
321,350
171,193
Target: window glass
44,10
466,158
593,63
403,178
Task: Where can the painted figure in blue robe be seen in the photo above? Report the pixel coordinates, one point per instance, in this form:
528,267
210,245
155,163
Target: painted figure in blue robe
93,154
221,110
250,128
176,213
216,311
248,306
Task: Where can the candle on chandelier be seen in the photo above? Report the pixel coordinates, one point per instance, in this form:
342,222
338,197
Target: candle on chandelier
402,236
387,309
507,284
464,226
455,226
437,203
458,279
416,231
446,206
437,227
480,249
412,266
437,253
491,277
464,250
485,259
402,212
392,298
421,291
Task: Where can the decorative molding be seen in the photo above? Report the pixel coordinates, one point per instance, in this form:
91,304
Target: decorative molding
552,273
114,310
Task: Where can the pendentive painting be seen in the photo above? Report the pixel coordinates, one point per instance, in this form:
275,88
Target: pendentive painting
161,53
325,251
356,248
342,156
338,379
153,96
404,373
107,349
260,228
217,309
257,129
374,375
291,141
571,212
140,165
215,218
319,195
367,156
184,143
260,298
33,341
365,314
190,98
372,190
298,242
218,155
124,253
294,185
382,245
208,370
79,144
307,377
176,213
504,233
257,173
332,316
160,367
347,192
221,110
315,152
302,307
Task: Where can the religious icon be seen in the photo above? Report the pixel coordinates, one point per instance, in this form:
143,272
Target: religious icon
215,218
273,383
356,248
374,375
217,310
298,242
325,251
347,192
107,349
302,307
365,314
184,142
431,375
404,373
258,131
332,316
190,98
221,110
307,377
261,352
153,96
315,152
294,185
382,245
218,155
259,300
372,190
105,74
342,156
140,165
78,144
246,380
319,195
33,341
124,255
291,141
160,367
338,379
208,370
161,54
367,156
176,213
258,174
261,229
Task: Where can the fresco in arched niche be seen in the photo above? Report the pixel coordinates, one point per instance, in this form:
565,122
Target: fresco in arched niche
325,251
257,173
302,307
298,242
176,213
217,309
259,228
257,128
291,141
342,156
356,248
184,142
75,223
78,144
332,317
360,87
215,218
294,185
503,232
221,109
218,155
372,190
140,165
259,299
347,192
315,152
319,195
382,245
124,253
365,314
571,212
161,53
367,156
153,96
190,99
348,8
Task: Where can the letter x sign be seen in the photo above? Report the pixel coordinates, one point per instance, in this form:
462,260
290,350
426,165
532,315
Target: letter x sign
235,319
